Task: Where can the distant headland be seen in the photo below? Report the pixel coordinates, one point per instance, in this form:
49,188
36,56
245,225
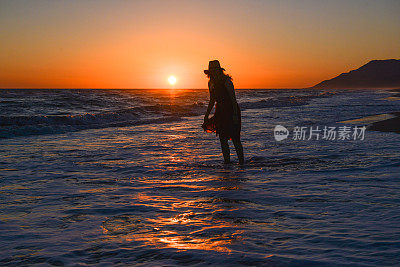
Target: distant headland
374,74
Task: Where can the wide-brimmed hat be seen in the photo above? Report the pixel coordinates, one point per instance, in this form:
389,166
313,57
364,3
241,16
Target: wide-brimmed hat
212,66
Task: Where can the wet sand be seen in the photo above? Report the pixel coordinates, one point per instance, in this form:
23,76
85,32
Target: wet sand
397,92
391,124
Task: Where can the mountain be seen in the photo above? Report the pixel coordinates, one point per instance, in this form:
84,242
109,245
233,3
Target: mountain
374,74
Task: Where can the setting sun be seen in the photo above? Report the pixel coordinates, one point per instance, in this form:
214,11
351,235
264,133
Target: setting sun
171,80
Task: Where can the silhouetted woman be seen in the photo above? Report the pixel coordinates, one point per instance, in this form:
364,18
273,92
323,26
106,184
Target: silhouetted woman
226,122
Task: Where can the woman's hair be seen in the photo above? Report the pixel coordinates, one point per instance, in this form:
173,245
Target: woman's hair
221,74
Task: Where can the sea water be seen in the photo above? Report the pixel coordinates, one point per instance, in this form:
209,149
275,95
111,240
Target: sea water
128,177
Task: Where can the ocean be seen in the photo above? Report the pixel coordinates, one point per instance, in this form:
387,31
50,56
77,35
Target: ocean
128,177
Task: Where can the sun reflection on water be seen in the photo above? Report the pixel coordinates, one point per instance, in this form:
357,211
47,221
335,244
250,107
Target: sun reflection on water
182,223
163,235
184,209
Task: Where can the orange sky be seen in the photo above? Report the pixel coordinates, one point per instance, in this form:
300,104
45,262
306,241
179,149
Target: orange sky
138,44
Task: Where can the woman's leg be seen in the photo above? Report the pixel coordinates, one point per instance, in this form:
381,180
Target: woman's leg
239,149
225,149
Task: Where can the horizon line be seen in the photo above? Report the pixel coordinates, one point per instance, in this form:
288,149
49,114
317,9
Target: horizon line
88,88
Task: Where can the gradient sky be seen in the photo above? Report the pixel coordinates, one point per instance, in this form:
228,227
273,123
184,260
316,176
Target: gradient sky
138,44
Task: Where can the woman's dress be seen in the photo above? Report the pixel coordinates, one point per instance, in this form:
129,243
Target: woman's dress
222,122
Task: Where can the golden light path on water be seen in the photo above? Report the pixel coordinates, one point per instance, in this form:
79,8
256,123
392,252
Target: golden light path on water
172,232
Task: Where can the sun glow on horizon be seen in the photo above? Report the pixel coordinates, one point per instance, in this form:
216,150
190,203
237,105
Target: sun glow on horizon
172,80
275,44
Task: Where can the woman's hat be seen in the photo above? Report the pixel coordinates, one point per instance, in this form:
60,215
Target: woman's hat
212,66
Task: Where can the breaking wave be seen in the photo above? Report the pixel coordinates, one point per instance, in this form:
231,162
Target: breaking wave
52,112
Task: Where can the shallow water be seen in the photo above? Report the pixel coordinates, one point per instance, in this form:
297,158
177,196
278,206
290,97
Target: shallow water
129,177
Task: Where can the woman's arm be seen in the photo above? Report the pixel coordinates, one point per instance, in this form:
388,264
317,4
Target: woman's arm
211,102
